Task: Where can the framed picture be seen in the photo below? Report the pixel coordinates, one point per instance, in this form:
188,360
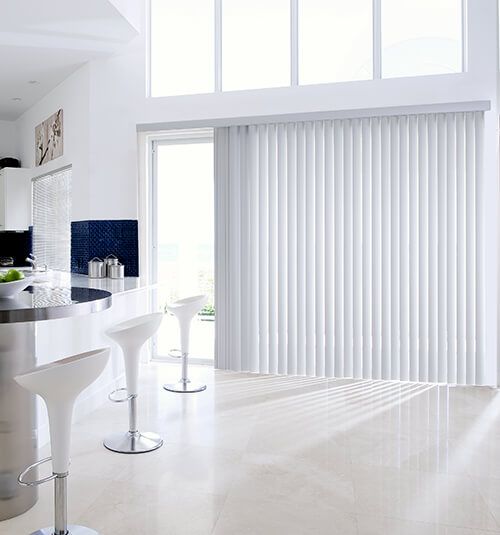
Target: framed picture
49,139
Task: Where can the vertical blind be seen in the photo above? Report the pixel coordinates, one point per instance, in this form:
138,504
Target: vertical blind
352,248
52,219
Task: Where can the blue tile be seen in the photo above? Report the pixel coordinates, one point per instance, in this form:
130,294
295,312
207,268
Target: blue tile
103,237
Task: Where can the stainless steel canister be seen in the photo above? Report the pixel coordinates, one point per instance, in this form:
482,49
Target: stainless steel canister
110,260
97,268
116,271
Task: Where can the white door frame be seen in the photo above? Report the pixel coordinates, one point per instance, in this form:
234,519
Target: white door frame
148,144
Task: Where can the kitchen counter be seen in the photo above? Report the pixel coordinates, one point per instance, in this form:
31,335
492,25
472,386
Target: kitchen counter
19,320
58,279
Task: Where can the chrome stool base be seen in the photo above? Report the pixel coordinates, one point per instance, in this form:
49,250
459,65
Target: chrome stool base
133,442
185,387
72,530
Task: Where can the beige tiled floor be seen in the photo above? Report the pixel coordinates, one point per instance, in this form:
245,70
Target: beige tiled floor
268,455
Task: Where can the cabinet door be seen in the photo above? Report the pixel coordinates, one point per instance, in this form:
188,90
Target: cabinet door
17,200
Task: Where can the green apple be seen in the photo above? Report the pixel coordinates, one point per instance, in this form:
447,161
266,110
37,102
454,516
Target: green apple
13,275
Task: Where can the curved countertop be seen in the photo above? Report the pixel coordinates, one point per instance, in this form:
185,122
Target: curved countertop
39,303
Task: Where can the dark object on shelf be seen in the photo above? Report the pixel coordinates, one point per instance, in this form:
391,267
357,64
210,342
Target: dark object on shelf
6,261
15,244
9,162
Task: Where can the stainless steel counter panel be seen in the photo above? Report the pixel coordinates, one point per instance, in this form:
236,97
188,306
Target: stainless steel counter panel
39,303
18,440
18,429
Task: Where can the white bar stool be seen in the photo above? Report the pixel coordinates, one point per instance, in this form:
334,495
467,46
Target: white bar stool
59,384
131,335
185,310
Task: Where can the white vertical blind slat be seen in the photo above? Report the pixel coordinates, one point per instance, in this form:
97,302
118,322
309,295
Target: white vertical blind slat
386,248
441,207
480,280
394,245
273,250
263,251
282,250
310,281
348,249
376,249
329,253
423,252
339,247
414,275
292,247
451,249
357,241
404,250
433,246
461,262
366,249
319,209
301,249
253,220
354,248
470,245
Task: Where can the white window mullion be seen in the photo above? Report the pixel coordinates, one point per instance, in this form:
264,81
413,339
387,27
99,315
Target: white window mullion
377,39
218,45
294,42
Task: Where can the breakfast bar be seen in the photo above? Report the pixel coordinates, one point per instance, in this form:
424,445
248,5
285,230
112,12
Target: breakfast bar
18,421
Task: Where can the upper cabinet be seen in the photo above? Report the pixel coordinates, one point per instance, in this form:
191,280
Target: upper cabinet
15,199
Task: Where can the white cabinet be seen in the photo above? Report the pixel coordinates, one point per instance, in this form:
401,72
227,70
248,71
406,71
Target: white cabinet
15,199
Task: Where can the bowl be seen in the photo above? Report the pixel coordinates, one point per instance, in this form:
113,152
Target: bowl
11,289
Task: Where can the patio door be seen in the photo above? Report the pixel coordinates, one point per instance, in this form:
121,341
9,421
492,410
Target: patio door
182,224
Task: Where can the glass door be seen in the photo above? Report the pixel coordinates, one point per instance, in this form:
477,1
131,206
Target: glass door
183,236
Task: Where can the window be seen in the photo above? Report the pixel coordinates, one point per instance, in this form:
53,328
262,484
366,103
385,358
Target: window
421,37
255,44
52,219
182,47
335,40
200,46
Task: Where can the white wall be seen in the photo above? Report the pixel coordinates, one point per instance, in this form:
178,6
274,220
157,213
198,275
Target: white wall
73,97
8,144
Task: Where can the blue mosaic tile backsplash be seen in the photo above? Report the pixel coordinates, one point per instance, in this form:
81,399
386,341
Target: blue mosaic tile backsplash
103,237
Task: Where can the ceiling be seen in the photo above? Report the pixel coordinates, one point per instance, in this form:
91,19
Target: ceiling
44,42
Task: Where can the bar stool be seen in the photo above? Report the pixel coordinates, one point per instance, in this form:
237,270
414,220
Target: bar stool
59,384
185,310
131,335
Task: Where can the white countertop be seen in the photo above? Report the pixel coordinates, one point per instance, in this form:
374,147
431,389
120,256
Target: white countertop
115,286
61,279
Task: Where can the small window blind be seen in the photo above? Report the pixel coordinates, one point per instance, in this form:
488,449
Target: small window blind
52,219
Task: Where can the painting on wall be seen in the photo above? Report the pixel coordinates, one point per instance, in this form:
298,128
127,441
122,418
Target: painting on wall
49,139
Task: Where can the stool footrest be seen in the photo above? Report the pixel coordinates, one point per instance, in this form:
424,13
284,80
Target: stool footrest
120,400
21,480
175,353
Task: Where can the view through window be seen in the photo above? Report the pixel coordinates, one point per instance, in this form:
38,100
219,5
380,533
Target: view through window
184,180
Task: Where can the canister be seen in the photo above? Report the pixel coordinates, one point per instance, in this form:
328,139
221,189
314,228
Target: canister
110,260
116,271
97,268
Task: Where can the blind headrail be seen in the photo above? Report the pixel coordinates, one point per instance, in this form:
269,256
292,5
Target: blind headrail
360,113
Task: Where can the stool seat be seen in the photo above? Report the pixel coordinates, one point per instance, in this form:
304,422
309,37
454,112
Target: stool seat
185,310
131,335
59,384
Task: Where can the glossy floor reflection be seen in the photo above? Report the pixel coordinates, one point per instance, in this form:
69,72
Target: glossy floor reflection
269,455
